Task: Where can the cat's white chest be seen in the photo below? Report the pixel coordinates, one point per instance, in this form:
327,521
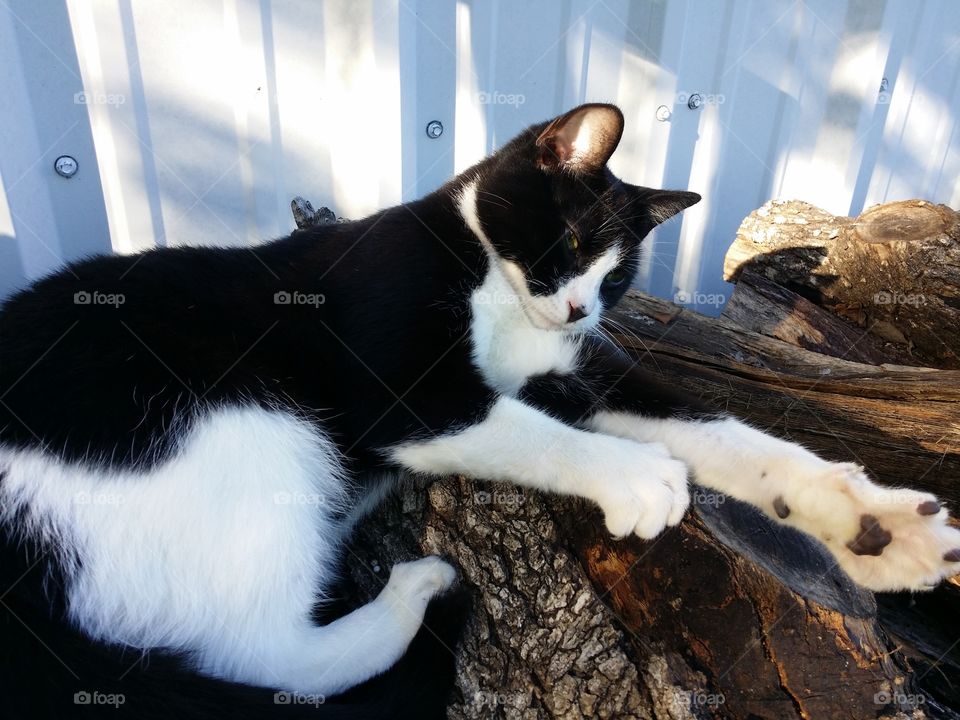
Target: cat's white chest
506,347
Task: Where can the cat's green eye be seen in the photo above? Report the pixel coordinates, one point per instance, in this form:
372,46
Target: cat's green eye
573,242
615,277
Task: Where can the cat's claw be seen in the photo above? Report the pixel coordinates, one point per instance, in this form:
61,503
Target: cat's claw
884,538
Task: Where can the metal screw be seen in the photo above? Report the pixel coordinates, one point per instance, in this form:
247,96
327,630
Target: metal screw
663,113
66,166
434,129
695,101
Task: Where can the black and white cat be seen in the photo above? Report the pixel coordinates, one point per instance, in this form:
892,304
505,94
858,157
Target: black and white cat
188,435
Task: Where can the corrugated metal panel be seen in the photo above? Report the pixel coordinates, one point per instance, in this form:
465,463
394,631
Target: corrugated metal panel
195,123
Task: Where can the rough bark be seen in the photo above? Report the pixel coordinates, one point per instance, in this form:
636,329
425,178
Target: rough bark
894,270
568,623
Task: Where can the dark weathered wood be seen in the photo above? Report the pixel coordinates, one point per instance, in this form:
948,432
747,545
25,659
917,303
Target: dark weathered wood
702,611
763,306
894,270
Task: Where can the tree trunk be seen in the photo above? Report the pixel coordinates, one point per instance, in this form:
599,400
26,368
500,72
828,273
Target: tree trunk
717,618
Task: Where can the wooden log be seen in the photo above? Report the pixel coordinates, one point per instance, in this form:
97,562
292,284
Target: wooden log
894,270
569,623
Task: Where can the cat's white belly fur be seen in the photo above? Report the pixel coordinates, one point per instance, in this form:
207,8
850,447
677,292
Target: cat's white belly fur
226,542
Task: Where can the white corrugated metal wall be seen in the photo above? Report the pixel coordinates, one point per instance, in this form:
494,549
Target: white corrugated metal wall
196,122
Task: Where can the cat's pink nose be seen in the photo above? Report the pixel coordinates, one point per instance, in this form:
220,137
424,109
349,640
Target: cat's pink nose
576,313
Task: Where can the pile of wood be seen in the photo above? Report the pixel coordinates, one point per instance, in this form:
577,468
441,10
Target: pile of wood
841,333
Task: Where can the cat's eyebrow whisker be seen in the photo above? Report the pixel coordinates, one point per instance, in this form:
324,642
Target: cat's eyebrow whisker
616,216
619,218
499,197
491,202
624,218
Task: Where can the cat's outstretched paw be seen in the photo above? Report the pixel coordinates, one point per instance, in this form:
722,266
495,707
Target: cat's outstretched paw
884,538
415,583
644,491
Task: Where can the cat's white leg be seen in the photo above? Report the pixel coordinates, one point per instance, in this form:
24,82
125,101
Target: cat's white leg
885,539
220,553
638,486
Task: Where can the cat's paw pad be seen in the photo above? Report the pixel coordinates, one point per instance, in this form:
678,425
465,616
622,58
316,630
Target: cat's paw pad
646,497
884,538
420,580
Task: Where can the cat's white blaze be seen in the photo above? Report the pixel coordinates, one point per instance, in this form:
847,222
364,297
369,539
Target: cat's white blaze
220,552
548,312
582,291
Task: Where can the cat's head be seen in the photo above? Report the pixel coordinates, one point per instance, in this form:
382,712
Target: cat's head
564,231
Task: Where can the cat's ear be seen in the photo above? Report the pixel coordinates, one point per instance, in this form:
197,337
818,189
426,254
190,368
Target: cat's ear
582,139
664,204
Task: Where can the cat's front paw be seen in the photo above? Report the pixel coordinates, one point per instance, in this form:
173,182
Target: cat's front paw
883,538
645,490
